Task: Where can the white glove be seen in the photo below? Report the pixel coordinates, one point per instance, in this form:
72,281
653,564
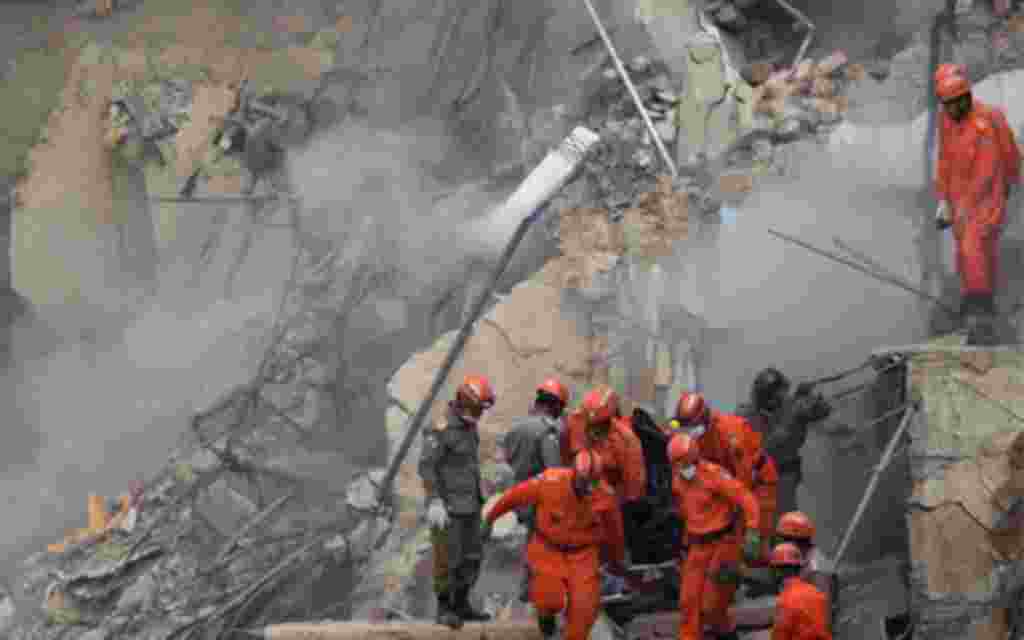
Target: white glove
437,515
942,215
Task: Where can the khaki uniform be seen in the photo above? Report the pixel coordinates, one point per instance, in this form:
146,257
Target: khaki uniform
450,469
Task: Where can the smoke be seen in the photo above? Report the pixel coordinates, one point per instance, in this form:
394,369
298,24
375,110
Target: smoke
105,415
89,418
371,191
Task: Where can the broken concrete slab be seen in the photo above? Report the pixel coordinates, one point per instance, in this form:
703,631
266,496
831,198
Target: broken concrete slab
967,476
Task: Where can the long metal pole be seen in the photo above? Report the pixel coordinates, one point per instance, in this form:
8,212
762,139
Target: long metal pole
862,269
631,88
872,485
454,352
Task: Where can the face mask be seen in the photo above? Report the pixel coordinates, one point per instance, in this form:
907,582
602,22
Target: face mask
697,432
688,472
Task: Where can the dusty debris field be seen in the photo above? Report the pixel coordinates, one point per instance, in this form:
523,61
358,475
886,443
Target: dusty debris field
62,147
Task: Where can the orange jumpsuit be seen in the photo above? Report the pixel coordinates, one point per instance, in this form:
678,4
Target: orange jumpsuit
621,452
565,548
709,574
801,612
732,443
978,160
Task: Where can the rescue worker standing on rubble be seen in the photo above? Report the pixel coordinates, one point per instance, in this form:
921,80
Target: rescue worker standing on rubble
599,425
577,515
783,420
732,443
450,469
802,611
707,498
533,444
978,167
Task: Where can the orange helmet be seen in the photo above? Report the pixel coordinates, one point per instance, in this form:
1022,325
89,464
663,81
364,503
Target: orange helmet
691,409
682,449
951,82
475,393
786,555
554,387
795,525
600,405
587,464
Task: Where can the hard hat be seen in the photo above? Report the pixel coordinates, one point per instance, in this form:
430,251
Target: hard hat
554,387
946,70
795,525
951,82
600,405
786,555
475,392
691,408
587,464
682,449
768,384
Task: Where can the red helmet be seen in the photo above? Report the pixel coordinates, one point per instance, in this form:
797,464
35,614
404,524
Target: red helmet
475,393
795,525
691,409
951,82
786,555
554,387
682,449
587,464
600,405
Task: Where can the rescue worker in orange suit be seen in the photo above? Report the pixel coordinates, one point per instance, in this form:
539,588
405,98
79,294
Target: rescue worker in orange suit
802,611
979,165
796,528
707,498
599,425
450,469
533,444
577,515
732,443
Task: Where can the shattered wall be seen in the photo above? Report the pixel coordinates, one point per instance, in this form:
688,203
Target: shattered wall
967,476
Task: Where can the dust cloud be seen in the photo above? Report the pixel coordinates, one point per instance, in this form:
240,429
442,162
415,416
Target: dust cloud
812,317
91,417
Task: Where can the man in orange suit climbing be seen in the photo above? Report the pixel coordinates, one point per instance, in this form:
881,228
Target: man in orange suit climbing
576,515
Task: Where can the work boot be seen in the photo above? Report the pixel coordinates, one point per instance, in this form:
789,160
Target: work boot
445,615
548,625
465,610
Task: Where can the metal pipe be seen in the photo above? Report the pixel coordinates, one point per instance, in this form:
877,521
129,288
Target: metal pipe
572,150
631,88
454,353
890,449
862,269
222,199
802,19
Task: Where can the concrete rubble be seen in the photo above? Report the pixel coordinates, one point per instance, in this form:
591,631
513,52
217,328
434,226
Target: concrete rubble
966,466
251,522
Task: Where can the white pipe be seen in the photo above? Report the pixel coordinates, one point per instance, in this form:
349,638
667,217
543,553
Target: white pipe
632,89
546,180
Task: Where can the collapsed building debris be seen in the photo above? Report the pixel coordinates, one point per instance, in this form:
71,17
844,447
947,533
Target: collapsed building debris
258,532
966,469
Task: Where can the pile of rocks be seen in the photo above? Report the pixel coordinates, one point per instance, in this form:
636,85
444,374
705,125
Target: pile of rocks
625,164
250,504
808,99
